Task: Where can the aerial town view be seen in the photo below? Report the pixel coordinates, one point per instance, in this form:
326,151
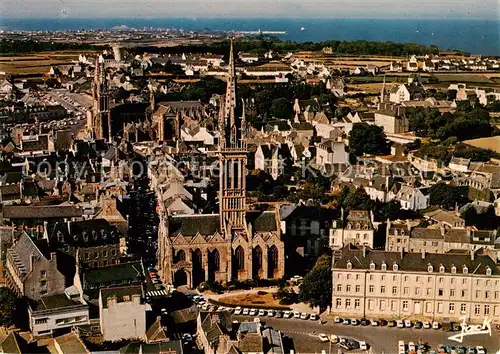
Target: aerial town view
270,177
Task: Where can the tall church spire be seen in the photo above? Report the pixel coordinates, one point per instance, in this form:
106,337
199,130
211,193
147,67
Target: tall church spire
232,159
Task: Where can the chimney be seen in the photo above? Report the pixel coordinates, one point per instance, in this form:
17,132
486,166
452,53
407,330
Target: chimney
52,256
364,251
68,223
402,253
472,254
423,253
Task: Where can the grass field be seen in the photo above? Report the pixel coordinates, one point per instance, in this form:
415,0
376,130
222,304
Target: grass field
249,300
37,63
465,78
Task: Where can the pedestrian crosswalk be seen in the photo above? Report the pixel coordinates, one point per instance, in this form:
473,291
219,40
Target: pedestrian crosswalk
157,293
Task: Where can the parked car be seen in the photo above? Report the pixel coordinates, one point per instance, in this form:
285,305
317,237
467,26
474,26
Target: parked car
417,325
436,325
246,311
270,313
400,324
323,337
337,319
287,314
304,316
391,323
471,350
365,322
411,347
253,312
401,347
354,322
374,323
313,317
333,338
456,327
427,325
363,345
408,324
278,314
346,321
296,314
382,323
262,313
480,349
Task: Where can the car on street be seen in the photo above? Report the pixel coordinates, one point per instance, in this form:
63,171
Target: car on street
417,325
346,321
296,314
287,314
364,322
400,324
427,325
262,313
363,345
436,325
323,337
252,312
313,317
304,316
278,314
480,349
411,347
471,350
408,324
374,323
354,322
391,323
246,312
270,313
237,310
337,319
333,338
382,323
401,347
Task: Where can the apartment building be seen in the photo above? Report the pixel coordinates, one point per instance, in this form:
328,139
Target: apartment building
381,284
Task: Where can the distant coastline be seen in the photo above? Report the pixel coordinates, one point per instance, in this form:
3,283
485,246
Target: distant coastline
474,36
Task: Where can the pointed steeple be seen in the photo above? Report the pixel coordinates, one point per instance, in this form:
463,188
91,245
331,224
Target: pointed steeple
232,132
382,93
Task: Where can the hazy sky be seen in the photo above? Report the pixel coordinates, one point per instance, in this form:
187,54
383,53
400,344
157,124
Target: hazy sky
453,9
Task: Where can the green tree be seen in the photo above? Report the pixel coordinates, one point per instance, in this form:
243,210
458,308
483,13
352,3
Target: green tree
368,139
447,196
282,108
316,289
7,306
358,200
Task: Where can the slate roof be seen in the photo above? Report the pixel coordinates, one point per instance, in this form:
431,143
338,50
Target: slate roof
251,343
132,272
120,293
41,212
71,343
262,221
172,347
425,233
52,302
22,251
156,332
414,262
10,344
63,140
190,225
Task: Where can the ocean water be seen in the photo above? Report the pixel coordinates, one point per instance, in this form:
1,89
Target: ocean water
474,36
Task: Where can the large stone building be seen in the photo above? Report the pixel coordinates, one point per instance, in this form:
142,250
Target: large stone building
357,229
390,285
235,244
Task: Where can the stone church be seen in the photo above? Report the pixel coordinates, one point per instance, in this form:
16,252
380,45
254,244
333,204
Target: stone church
236,243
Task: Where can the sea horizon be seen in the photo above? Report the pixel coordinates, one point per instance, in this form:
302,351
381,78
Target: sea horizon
470,35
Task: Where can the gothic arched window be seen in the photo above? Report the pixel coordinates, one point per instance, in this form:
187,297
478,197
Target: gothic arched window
240,258
216,259
181,256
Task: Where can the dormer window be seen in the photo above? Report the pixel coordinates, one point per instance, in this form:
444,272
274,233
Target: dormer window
453,269
384,266
488,271
365,227
395,267
430,268
372,266
441,268
396,232
349,265
465,270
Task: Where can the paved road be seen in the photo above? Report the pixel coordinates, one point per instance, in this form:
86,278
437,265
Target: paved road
382,339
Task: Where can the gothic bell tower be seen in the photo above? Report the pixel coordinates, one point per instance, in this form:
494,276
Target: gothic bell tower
101,115
232,159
